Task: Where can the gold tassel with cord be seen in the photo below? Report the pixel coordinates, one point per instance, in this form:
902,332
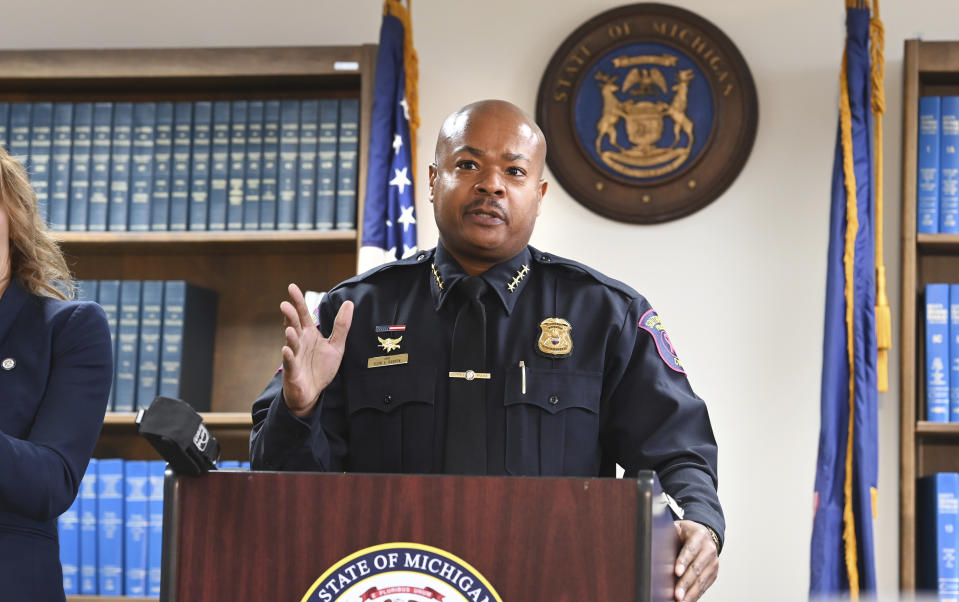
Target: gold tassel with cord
849,256
877,43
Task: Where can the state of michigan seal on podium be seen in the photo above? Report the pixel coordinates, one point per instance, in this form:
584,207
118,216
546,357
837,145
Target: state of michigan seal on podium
649,112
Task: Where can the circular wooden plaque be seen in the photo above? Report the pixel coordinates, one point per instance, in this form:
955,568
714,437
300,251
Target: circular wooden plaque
649,112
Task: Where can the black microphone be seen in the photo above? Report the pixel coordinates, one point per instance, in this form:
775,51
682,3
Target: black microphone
177,432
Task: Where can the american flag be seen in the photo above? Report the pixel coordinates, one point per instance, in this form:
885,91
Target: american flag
389,218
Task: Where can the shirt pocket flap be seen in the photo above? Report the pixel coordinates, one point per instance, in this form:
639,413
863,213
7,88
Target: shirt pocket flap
387,389
554,390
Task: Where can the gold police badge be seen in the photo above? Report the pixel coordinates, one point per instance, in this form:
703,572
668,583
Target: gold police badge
554,338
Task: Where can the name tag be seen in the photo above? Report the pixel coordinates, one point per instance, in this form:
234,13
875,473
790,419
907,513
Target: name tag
388,360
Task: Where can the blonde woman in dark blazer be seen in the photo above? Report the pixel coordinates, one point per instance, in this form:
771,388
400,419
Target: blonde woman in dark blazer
56,366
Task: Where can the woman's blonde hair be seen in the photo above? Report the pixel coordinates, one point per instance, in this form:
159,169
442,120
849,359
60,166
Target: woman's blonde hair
35,257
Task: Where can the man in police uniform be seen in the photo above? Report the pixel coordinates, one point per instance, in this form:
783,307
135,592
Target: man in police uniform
579,373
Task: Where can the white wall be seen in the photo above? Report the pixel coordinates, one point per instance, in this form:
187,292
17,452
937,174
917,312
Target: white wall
742,283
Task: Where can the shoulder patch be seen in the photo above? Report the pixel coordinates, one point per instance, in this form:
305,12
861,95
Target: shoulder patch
651,323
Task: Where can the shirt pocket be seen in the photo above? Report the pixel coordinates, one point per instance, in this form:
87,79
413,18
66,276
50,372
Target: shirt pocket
391,419
552,429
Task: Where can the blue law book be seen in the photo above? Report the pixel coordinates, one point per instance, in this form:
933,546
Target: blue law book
219,165
954,353
60,165
228,464
236,179
100,166
326,164
87,510
141,172
87,290
128,335
19,132
120,159
937,352
189,332
200,165
41,148
254,165
306,180
81,151
180,177
68,529
938,537
162,158
136,526
156,470
271,149
347,147
949,165
110,527
927,195
245,465
108,297
5,125
148,358
286,173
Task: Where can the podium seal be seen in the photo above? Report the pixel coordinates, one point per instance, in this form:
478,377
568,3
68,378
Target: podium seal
410,572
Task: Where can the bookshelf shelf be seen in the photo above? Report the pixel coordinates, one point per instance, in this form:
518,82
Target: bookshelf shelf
929,69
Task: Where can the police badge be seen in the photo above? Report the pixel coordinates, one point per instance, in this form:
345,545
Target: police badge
554,338
650,112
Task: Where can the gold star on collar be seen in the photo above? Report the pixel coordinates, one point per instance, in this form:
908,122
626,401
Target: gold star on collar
436,275
520,274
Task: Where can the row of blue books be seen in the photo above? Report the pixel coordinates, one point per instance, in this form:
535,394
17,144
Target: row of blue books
937,516
203,165
942,352
937,196
163,336
110,537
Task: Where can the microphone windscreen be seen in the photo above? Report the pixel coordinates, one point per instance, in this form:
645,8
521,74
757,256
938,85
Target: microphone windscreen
177,432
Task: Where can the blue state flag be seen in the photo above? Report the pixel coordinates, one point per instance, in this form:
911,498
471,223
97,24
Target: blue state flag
841,558
389,216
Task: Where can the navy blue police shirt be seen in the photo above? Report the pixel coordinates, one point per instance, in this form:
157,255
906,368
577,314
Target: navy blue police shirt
582,377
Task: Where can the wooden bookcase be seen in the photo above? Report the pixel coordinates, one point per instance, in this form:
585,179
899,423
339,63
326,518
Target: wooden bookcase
929,69
248,269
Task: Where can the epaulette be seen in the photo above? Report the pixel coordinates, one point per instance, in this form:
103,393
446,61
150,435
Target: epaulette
413,260
549,259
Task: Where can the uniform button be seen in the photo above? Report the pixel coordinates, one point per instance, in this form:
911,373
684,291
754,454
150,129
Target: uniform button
553,400
420,256
387,399
546,258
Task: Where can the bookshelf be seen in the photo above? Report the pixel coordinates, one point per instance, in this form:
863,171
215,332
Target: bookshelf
929,68
248,269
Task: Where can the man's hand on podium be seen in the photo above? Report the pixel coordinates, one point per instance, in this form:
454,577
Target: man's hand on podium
697,563
310,360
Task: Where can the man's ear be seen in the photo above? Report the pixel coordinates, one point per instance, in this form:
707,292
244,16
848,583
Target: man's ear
432,179
542,193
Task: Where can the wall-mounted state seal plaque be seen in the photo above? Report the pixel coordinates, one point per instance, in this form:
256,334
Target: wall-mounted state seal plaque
649,112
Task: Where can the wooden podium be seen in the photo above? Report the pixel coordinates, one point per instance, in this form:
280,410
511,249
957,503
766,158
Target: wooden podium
238,536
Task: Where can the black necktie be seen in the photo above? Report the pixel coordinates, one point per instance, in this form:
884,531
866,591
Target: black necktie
466,417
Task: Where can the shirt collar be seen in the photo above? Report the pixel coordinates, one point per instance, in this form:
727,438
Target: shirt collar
506,279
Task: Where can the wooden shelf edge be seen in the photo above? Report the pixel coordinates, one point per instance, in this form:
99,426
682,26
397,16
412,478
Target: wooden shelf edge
78,598
938,243
924,427
206,237
214,419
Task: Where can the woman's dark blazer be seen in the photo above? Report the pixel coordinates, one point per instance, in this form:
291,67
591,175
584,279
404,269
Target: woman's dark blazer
56,367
